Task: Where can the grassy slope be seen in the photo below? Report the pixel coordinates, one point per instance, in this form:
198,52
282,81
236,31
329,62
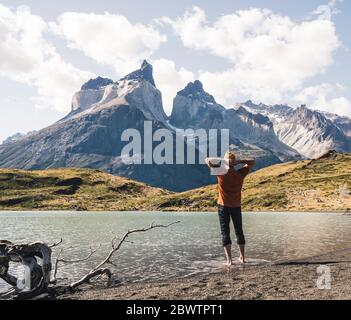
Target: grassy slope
71,189
293,186
296,186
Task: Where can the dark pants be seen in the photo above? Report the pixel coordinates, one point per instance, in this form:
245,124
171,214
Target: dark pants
225,213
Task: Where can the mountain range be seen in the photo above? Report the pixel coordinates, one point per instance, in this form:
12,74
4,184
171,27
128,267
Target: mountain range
90,135
310,132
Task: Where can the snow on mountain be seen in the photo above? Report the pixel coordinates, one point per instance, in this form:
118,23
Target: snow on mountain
17,136
194,108
342,122
137,88
309,132
90,135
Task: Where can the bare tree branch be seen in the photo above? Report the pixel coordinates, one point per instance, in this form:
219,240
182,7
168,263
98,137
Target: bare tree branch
59,260
97,270
92,274
56,244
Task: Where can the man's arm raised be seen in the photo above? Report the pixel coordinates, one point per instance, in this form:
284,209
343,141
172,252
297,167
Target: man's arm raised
249,163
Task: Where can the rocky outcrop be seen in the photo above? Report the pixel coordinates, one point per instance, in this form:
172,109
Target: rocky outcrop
97,83
137,89
194,108
144,73
309,132
342,122
17,136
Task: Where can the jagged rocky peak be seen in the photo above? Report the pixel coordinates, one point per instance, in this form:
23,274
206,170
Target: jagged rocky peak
195,90
312,116
193,107
136,89
256,117
96,83
308,131
144,73
253,107
273,112
342,122
90,93
280,108
250,104
303,109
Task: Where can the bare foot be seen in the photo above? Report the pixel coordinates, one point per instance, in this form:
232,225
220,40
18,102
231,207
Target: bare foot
242,260
229,263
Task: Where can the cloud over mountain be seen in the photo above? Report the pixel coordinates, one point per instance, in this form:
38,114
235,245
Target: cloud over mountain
271,54
267,56
169,79
109,39
326,97
27,57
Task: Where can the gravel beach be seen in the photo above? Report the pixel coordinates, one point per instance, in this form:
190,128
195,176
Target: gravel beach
293,279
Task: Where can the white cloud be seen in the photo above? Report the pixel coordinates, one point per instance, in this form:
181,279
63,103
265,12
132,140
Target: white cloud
325,12
271,55
326,97
56,81
109,39
170,80
25,56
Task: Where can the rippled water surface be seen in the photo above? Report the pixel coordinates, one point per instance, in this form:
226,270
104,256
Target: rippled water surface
190,247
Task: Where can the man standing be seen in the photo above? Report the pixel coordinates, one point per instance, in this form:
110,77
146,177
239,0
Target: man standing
230,185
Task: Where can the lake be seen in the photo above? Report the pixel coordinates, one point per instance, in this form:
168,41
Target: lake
191,247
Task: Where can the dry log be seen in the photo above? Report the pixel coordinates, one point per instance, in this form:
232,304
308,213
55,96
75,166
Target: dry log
36,259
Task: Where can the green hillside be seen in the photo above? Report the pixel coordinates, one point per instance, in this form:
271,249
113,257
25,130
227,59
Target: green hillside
71,189
323,184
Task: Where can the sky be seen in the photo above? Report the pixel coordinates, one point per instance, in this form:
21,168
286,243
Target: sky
272,51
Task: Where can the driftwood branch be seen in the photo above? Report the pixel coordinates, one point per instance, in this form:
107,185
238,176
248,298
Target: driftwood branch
60,260
56,244
99,270
36,259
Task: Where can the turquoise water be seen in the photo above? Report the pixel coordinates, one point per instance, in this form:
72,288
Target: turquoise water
191,247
